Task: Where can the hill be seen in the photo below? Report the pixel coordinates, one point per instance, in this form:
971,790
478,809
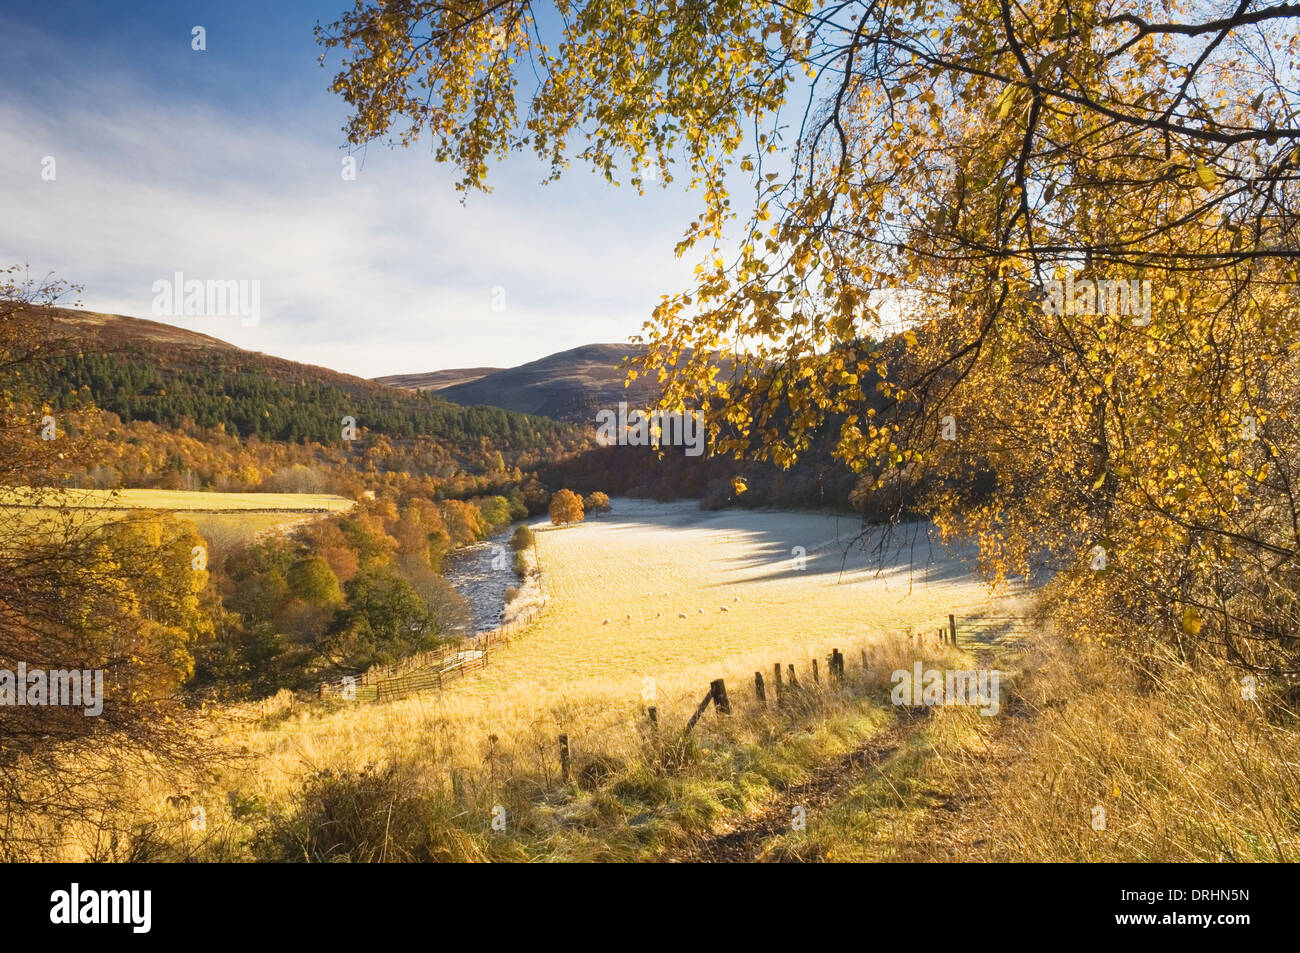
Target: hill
144,370
570,385
437,380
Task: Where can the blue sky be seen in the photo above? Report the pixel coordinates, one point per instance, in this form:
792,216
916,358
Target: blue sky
225,164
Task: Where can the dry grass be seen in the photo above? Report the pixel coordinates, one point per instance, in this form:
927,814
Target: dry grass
1183,767
177,500
493,739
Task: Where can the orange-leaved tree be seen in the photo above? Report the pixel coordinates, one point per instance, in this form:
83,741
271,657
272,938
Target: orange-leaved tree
566,507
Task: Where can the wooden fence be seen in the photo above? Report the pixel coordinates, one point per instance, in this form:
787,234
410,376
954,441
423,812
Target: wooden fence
426,671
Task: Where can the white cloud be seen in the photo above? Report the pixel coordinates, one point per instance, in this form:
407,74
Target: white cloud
389,273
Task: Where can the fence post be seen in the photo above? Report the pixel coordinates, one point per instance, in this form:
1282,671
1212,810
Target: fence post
794,682
817,679
719,689
952,626
564,757
699,710
758,689
653,714
780,688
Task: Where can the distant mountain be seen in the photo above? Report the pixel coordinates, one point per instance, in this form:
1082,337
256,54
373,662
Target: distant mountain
437,380
569,386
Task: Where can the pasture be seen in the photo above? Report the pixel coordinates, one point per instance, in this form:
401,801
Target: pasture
222,518
659,589
613,639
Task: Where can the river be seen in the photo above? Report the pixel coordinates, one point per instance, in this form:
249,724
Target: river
482,573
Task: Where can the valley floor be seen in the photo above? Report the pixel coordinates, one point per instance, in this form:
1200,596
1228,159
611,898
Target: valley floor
670,592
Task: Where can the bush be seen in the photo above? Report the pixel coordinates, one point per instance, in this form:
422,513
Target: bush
523,538
596,502
311,580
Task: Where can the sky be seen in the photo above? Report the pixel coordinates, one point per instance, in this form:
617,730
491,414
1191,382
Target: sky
226,164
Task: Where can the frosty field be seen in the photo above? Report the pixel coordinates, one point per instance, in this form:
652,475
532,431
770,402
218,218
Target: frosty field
657,589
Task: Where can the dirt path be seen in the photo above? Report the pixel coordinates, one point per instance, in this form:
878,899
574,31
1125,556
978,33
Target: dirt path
956,827
743,843
965,832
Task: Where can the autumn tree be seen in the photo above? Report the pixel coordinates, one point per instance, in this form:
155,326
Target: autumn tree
924,179
311,580
123,603
566,507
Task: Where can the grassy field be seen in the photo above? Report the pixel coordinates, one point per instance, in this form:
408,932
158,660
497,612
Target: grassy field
657,590
188,500
1183,767
219,517
641,568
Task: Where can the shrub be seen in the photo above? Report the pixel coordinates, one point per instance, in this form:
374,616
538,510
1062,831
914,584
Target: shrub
522,539
311,580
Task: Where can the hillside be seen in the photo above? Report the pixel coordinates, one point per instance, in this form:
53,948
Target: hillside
144,370
437,380
570,386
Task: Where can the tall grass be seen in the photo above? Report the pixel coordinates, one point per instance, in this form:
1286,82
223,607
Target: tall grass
1185,765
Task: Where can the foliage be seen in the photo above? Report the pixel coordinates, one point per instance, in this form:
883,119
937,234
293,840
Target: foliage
523,538
383,620
952,162
566,507
311,580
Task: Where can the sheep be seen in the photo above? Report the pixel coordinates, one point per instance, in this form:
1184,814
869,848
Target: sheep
724,609
681,615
